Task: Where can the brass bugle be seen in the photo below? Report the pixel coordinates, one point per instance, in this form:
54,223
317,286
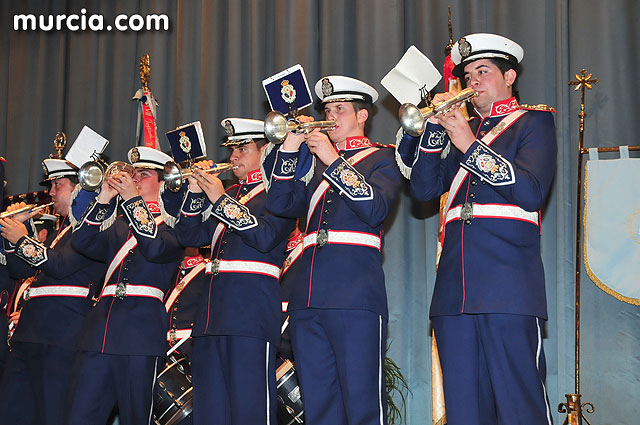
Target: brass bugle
92,173
413,119
26,209
276,126
175,175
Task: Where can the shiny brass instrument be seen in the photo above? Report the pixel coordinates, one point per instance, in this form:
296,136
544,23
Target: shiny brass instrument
413,119
26,209
276,126
175,175
92,173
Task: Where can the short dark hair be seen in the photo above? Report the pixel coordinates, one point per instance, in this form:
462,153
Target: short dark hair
504,65
260,142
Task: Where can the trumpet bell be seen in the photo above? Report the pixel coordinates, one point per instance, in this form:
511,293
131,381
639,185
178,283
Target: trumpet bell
173,178
411,119
276,127
91,175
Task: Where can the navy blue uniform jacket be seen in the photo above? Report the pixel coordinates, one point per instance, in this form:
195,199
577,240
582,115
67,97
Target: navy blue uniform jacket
491,264
358,200
238,303
134,325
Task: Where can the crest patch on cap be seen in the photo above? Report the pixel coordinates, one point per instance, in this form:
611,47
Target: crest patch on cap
464,48
135,155
327,87
228,128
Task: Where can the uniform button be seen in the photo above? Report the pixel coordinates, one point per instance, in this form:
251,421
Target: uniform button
472,195
330,191
125,268
174,318
487,122
175,308
324,222
467,221
326,211
221,251
191,324
329,201
482,133
224,242
473,182
131,251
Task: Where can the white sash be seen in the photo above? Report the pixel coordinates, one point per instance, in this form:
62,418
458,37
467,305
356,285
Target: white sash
488,138
183,284
122,253
324,185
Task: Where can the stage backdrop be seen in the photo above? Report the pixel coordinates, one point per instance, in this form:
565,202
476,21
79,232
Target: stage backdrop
209,65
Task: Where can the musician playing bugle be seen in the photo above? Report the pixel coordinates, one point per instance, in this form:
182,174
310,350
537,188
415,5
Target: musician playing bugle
236,335
38,372
489,303
338,304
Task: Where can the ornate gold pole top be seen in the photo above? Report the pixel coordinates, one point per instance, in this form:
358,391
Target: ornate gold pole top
448,47
59,142
145,71
583,81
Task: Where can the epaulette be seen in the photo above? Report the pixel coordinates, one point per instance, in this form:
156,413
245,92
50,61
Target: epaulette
380,145
538,107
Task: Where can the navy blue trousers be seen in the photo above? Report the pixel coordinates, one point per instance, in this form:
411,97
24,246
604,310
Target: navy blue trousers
35,383
234,381
102,380
339,361
493,369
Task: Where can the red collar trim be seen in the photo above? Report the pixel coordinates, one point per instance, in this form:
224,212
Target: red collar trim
504,107
190,262
253,177
357,143
154,208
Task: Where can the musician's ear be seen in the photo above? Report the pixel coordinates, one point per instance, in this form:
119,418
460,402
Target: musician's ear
510,76
362,115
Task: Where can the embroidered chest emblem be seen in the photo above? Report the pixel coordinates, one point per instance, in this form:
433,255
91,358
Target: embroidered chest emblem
486,163
349,178
232,211
141,216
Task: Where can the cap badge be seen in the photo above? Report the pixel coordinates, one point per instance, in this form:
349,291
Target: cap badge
327,87
185,143
135,155
228,128
287,91
464,48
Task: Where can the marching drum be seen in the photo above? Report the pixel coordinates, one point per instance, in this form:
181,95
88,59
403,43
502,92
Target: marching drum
290,408
174,392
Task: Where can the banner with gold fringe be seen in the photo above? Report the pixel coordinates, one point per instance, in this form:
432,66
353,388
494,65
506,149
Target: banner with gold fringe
612,225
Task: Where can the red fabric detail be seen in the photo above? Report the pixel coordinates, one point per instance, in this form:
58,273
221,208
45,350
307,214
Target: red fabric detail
254,177
357,143
149,122
294,241
504,107
190,262
448,71
154,208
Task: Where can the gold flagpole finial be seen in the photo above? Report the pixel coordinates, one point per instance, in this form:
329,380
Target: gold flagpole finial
582,82
59,142
448,47
145,71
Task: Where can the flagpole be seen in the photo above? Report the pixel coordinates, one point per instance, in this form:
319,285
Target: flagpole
574,408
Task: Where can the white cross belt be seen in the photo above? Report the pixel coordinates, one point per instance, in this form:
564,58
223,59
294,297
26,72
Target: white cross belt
56,291
134,291
240,266
344,237
470,210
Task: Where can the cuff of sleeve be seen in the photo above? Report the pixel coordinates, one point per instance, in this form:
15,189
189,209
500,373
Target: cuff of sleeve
233,213
487,164
348,180
140,217
97,213
193,204
285,166
433,139
31,251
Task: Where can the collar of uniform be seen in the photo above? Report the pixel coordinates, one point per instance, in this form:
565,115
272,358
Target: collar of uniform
356,143
294,241
154,207
190,262
254,176
504,107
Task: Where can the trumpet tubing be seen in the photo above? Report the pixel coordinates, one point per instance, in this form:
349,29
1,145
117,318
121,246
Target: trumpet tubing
26,209
413,119
175,176
276,126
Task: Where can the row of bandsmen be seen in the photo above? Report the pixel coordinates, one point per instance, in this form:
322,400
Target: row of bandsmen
486,309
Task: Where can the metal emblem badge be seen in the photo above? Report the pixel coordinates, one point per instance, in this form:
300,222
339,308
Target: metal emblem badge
327,87
172,335
26,294
213,267
322,238
467,211
464,48
185,143
288,92
228,128
135,155
121,291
